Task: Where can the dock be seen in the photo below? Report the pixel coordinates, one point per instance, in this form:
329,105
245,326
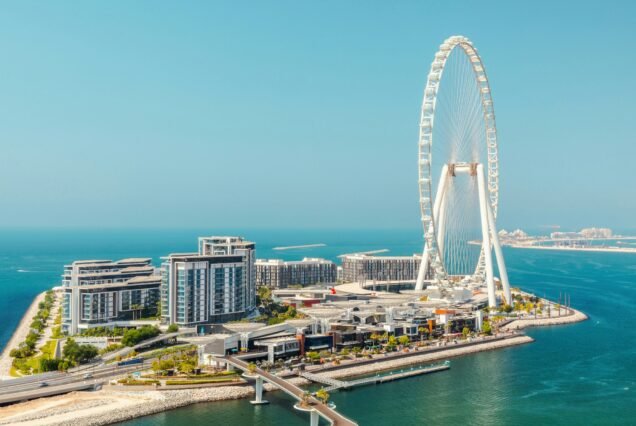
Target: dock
334,384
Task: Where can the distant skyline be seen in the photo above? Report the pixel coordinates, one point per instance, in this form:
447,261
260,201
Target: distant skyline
301,114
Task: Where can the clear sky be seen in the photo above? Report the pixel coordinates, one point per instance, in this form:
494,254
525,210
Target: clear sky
302,113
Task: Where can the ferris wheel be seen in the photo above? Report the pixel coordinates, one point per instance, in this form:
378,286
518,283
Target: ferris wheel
458,156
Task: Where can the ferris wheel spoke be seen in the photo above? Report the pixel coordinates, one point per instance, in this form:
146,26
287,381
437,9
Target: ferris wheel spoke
457,133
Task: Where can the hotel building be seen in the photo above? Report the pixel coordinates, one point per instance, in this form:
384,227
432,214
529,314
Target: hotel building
215,285
274,273
363,267
105,293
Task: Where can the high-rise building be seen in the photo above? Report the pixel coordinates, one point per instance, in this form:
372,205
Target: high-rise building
356,267
215,285
105,293
276,273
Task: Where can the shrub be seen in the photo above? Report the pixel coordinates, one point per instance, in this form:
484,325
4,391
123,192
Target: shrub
201,382
134,336
110,348
173,328
134,382
49,365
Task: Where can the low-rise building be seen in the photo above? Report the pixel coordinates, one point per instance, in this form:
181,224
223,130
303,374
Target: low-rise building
276,273
103,292
366,267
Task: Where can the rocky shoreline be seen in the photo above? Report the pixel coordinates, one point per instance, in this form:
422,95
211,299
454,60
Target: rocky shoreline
112,405
572,317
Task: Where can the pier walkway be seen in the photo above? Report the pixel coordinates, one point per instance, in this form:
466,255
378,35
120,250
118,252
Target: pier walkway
341,384
326,412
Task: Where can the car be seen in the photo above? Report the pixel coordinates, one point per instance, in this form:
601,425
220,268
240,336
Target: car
43,384
88,376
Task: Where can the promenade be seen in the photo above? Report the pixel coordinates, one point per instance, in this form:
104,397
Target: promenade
117,403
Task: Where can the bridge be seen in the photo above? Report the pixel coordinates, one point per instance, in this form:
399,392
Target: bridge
315,407
149,342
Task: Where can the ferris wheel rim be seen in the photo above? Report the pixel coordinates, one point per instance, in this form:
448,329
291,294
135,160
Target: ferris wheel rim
427,120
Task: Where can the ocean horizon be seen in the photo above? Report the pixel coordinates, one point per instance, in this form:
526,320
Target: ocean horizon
576,374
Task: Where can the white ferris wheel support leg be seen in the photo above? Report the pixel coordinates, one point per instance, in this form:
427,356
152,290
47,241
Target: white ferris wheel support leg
487,248
503,273
440,220
441,189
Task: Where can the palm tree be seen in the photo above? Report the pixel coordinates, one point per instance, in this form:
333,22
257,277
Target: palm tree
135,308
305,399
422,331
322,395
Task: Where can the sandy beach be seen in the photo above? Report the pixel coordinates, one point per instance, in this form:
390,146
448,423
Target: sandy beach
19,335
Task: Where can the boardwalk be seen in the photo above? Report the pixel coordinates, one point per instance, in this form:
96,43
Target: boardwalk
334,384
323,410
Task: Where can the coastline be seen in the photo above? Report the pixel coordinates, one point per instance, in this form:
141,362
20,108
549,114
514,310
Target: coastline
111,405
572,317
114,404
589,249
18,336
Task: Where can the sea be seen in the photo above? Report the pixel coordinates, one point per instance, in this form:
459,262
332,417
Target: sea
578,374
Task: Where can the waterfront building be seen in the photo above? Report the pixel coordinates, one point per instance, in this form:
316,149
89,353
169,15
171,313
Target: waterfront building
215,285
275,273
596,233
366,267
107,293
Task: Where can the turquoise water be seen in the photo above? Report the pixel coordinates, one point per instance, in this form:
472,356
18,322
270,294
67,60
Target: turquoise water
577,374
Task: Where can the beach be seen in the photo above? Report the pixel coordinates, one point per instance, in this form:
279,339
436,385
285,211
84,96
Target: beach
19,335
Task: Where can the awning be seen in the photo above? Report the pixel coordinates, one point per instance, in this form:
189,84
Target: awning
319,347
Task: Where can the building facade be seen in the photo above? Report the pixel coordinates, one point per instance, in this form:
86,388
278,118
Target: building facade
215,285
365,267
103,292
274,273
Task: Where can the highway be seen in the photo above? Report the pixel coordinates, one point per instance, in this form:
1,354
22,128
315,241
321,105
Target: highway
58,383
88,376
48,391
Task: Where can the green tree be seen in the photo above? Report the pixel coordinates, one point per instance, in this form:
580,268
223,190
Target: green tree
134,336
186,367
322,395
404,340
374,337
423,331
486,328
173,328
71,349
465,332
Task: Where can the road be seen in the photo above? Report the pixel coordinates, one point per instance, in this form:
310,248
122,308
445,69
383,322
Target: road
83,377
58,383
149,342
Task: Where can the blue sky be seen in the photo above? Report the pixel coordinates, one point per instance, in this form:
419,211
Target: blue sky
302,114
